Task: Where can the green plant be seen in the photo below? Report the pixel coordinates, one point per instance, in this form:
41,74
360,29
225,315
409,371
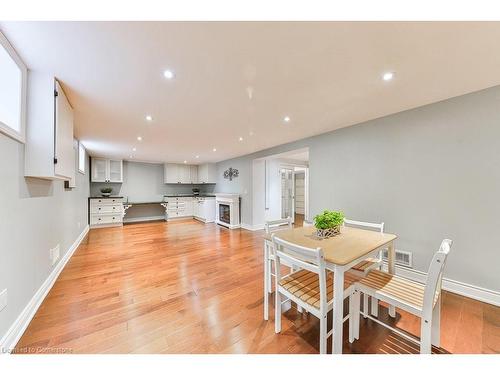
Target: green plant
328,219
106,190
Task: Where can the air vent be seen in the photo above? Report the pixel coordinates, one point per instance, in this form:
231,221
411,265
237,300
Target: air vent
403,258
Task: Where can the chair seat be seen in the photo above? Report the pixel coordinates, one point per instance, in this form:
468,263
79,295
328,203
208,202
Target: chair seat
304,285
366,264
395,287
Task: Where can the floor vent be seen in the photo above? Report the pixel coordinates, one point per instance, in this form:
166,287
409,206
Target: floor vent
403,258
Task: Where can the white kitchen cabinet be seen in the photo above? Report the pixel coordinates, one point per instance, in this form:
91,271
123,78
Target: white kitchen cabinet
205,209
106,170
106,211
207,173
49,150
180,174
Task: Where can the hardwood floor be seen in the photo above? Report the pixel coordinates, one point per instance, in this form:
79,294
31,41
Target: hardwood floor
188,287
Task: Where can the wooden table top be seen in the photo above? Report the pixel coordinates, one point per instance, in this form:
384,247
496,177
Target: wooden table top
349,245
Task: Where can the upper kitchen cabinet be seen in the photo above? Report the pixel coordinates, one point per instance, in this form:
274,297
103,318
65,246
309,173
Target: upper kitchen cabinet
49,133
207,173
180,174
106,170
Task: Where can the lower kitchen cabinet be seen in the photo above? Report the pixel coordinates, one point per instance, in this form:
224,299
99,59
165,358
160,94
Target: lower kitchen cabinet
106,211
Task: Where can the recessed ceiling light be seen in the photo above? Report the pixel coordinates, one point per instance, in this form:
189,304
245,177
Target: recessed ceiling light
286,119
197,156
214,149
168,74
134,149
139,138
240,139
388,76
149,118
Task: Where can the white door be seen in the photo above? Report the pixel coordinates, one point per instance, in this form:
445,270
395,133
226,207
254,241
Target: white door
99,170
287,193
115,171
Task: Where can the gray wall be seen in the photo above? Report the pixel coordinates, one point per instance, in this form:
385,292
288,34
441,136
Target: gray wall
35,216
143,182
428,173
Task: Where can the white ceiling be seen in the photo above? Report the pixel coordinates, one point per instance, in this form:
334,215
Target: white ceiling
324,75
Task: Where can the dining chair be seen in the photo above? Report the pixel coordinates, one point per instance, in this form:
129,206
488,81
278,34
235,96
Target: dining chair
422,300
270,227
311,287
362,268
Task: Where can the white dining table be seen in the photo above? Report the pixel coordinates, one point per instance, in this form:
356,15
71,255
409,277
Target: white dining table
341,253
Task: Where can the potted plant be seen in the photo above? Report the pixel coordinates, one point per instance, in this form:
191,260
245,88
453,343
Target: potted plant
106,191
328,223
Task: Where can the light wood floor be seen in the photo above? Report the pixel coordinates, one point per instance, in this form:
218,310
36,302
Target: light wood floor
188,287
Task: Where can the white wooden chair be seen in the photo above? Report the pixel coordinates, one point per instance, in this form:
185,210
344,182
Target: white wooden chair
421,300
270,227
311,287
365,266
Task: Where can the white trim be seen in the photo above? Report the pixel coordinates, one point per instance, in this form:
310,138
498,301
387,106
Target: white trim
148,218
16,330
20,135
467,290
252,227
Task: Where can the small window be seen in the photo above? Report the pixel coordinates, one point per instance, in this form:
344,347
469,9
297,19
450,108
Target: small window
81,158
13,75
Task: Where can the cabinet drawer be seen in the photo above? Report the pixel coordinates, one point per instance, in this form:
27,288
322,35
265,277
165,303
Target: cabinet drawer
107,201
106,209
105,219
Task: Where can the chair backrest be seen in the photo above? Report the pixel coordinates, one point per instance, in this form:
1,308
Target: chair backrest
274,225
301,257
435,275
365,224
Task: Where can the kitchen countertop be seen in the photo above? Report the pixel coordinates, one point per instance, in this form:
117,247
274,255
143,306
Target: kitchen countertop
111,197
190,195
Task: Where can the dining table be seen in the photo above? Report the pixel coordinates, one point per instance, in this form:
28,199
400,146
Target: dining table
341,252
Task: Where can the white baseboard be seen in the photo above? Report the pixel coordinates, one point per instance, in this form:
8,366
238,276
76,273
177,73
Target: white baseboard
143,218
252,227
16,330
475,292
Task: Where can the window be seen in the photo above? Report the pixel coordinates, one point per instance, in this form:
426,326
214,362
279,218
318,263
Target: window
81,158
13,75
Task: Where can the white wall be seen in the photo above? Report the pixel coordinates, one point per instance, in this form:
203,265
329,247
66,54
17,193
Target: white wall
35,216
428,173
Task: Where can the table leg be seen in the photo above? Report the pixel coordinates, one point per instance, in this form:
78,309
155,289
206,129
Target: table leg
391,257
338,309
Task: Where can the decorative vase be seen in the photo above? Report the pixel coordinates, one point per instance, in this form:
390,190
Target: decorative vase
328,232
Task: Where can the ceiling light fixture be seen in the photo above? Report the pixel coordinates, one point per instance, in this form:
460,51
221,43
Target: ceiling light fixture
139,138
149,118
168,74
286,119
388,76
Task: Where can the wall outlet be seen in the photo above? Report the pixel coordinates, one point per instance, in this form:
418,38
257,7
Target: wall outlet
54,254
3,299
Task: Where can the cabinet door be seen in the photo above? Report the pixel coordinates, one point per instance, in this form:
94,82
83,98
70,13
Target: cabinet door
194,174
185,174
211,173
171,174
115,169
202,174
64,154
99,170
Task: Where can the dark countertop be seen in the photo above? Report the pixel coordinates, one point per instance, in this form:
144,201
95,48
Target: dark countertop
111,197
189,195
